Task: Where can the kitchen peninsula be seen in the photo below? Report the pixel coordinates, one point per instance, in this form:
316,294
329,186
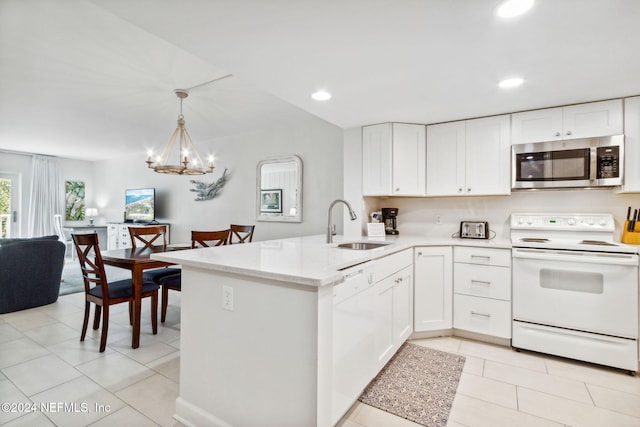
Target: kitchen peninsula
257,328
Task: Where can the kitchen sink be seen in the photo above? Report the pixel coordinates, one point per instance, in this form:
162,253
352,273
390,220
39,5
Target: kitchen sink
361,246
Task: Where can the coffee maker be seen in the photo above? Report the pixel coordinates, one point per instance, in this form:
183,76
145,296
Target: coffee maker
389,216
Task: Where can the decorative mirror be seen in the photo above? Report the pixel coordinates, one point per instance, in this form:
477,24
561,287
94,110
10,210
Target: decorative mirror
279,189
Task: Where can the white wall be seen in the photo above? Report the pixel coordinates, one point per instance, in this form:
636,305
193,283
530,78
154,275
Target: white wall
318,143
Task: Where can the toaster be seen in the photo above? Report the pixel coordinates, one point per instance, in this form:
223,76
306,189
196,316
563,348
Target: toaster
474,230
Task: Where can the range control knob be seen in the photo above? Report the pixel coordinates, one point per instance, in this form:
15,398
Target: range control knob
571,221
590,221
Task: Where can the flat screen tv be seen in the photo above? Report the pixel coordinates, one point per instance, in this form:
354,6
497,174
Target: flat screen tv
140,205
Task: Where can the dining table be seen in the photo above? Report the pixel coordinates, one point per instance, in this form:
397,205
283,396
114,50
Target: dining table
137,260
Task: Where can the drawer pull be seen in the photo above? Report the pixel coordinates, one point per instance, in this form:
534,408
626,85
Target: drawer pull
475,313
481,283
482,258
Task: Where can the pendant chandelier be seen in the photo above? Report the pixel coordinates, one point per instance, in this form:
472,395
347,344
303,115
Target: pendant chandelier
188,160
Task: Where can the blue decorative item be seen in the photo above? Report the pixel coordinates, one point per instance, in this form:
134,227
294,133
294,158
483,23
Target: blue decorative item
207,191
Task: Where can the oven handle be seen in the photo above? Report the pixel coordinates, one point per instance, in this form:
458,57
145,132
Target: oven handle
576,256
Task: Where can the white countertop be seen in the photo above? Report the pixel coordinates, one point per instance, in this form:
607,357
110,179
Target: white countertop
307,260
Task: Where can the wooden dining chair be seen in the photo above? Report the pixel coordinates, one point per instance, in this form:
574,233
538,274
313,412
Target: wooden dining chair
145,237
199,239
103,294
241,233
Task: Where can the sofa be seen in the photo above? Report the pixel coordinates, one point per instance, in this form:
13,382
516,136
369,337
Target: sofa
30,272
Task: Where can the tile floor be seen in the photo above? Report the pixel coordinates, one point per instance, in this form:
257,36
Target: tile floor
43,361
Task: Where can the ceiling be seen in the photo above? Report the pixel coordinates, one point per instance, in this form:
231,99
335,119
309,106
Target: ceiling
94,79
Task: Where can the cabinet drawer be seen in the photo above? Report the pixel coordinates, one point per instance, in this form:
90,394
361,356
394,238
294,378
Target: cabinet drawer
390,264
482,315
482,280
487,256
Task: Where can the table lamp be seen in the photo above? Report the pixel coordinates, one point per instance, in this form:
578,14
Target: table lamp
90,213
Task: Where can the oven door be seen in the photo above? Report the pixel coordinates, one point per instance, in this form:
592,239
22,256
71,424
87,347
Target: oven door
584,291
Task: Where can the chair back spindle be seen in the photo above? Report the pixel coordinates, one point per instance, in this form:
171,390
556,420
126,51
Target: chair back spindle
240,233
145,237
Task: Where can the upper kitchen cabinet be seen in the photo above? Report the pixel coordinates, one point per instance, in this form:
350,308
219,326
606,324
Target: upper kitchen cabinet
571,122
469,158
631,182
393,160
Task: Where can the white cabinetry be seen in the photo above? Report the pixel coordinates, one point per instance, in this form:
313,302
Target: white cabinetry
482,291
631,145
393,294
433,288
574,121
393,160
118,236
353,337
469,158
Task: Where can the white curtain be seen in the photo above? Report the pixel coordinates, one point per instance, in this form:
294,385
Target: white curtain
45,200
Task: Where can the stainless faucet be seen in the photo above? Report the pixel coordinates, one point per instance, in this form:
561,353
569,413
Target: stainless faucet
330,226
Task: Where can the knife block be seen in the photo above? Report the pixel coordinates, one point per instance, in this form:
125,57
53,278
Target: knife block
631,237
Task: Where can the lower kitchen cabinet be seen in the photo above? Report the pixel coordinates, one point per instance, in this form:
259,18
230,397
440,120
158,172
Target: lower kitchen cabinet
393,304
482,290
372,318
482,315
433,288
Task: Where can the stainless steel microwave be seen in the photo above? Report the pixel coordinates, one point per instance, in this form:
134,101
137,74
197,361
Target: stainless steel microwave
588,162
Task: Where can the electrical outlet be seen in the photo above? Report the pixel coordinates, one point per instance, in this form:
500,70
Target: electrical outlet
227,298
438,220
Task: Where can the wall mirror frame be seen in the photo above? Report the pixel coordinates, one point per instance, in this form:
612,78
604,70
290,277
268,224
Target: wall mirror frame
279,189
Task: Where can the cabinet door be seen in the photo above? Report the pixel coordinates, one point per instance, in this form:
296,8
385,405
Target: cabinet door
112,236
409,160
592,119
536,126
402,306
445,159
433,288
384,338
376,160
488,162
631,145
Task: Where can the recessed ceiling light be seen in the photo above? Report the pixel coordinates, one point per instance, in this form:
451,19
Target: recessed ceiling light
511,8
321,95
513,82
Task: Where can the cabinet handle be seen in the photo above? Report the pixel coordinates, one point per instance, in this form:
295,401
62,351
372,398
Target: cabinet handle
568,132
486,259
459,190
355,273
468,190
475,313
557,134
481,283
370,278
397,189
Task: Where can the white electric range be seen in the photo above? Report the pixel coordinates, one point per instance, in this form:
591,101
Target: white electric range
575,290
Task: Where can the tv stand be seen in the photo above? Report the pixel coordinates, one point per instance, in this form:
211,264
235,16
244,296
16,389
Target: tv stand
118,236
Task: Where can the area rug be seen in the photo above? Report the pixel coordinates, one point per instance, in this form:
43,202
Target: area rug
417,384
